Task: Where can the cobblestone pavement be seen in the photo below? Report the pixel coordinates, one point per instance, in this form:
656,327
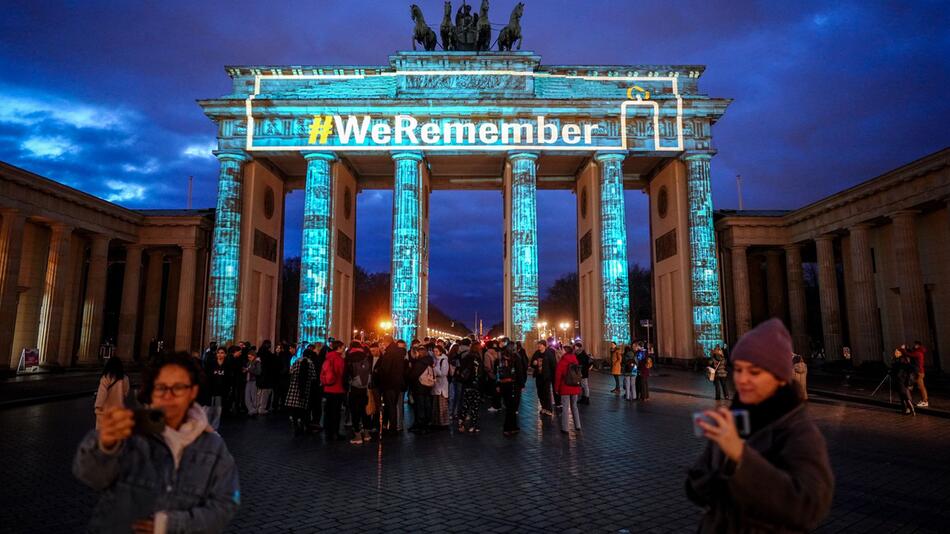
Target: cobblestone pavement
624,471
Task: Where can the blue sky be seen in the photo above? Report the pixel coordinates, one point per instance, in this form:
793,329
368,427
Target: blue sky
101,96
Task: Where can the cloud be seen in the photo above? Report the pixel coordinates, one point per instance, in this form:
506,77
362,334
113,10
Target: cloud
200,151
18,108
48,147
125,191
149,167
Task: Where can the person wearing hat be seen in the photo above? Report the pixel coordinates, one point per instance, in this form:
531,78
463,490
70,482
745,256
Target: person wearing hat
778,478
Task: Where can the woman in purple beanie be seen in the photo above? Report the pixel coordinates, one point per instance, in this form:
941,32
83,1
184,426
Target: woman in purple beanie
778,478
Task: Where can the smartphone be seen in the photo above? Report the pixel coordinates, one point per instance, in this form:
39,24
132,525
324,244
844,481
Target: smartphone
741,418
148,421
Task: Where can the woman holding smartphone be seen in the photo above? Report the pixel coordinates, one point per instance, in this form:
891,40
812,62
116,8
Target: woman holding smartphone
176,476
778,478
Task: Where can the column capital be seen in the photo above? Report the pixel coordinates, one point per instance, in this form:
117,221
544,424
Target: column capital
513,155
99,238
319,155
825,237
188,246
739,247
792,246
156,252
60,227
903,214
134,246
606,155
9,211
406,154
860,227
234,155
698,155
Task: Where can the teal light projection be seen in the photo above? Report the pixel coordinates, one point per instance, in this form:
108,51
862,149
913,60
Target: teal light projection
407,251
314,312
613,242
524,243
704,267
226,250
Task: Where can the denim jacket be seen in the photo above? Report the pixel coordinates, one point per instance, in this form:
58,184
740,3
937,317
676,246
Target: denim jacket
140,479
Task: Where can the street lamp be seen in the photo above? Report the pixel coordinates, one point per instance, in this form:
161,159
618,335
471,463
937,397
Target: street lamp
564,326
385,326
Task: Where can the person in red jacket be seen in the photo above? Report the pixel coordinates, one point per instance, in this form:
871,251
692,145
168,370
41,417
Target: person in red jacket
331,376
567,384
919,355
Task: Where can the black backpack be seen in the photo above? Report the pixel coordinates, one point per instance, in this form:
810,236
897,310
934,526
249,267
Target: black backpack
360,371
468,372
573,375
506,370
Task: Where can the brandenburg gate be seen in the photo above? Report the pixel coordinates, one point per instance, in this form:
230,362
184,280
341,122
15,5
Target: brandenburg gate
464,120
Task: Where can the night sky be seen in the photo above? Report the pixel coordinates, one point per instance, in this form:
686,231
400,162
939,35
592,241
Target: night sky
101,96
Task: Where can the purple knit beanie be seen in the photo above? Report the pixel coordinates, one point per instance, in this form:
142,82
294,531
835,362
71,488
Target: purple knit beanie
769,346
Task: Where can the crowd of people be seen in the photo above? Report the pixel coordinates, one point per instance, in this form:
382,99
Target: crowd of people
447,384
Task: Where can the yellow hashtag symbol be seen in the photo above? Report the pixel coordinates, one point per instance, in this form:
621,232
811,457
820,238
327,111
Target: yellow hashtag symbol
322,126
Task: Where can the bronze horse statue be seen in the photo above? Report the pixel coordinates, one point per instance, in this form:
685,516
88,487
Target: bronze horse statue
422,33
447,30
512,32
484,28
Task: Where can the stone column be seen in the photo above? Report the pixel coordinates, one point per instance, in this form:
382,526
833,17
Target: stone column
866,340
828,295
523,244
704,265
226,249
153,299
94,304
775,284
740,282
54,294
910,278
406,259
796,297
313,323
186,298
11,251
129,310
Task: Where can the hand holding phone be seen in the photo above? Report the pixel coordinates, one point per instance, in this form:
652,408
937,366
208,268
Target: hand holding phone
723,427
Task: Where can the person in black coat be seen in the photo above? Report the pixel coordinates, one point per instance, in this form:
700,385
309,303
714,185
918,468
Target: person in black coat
390,375
421,393
586,362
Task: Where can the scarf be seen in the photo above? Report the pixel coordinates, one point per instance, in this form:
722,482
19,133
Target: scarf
771,409
196,423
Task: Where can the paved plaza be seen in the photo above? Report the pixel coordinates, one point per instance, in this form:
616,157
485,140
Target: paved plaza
624,471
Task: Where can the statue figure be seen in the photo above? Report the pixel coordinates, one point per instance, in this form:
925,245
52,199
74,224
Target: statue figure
422,33
447,30
484,28
465,28
512,32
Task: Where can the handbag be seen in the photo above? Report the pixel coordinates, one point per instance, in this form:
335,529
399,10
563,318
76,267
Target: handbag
371,402
710,373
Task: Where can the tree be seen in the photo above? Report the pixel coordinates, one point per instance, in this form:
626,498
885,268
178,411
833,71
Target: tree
641,299
561,301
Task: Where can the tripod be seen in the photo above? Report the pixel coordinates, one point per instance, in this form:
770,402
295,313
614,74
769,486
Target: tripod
890,387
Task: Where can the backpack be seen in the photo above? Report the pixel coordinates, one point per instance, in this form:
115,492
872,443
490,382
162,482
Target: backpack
573,375
427,378
360,369
328,374
506,370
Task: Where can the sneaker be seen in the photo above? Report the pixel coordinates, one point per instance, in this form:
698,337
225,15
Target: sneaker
357,440
923,404
492,409
367,436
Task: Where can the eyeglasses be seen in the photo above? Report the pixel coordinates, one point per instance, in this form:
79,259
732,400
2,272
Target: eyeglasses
177,390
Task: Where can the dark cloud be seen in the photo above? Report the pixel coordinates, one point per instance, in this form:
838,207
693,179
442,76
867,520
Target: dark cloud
826,95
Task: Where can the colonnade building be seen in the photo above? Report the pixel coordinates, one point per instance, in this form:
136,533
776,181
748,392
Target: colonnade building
76,270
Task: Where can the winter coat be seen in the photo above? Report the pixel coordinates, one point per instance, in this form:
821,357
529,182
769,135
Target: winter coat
391,369
517,364
549,364
783,482
418,366
333,365
559,386
441,376
586,363
353,357
253,370
719,364
140,478
303,374
217,378
615,358
270,369
111,393
643,363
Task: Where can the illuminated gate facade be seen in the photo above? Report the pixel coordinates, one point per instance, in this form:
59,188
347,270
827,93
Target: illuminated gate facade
456,120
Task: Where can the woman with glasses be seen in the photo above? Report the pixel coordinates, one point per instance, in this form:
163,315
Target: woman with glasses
162,469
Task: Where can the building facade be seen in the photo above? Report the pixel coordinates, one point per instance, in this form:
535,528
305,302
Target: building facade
77,271
867,268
